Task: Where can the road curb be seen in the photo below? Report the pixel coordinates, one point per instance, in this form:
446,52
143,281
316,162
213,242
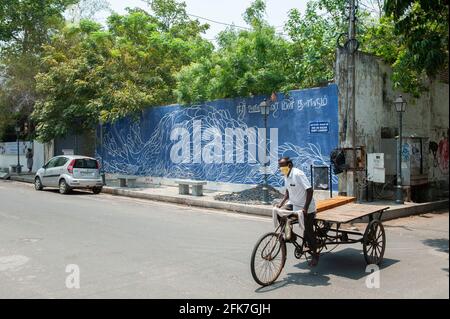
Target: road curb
392,213
198,202
21,179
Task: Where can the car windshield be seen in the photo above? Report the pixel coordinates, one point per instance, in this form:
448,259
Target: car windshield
85,163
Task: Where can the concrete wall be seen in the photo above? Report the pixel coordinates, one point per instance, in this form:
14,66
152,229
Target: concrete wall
38,159
175,141
426,116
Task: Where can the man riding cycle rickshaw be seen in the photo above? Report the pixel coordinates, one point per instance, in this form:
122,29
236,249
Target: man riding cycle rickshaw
299,192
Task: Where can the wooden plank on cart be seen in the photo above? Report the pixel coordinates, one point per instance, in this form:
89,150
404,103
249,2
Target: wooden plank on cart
347,213
333,202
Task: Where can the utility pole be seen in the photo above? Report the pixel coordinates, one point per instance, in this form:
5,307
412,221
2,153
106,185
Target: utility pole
352,47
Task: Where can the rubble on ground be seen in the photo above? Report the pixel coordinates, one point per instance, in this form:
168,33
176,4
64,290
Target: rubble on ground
250,196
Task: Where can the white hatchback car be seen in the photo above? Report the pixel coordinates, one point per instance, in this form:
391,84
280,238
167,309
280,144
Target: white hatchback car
68,172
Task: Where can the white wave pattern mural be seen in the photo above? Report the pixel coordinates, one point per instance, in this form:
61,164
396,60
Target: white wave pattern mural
127,150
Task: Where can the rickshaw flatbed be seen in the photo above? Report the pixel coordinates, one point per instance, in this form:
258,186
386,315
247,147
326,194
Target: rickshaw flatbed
349,212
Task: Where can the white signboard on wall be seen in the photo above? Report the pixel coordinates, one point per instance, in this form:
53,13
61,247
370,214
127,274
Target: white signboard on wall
10,148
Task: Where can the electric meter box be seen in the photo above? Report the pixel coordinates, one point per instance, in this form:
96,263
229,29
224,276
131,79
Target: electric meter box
375,167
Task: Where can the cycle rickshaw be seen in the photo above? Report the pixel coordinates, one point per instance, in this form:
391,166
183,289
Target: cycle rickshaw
269,255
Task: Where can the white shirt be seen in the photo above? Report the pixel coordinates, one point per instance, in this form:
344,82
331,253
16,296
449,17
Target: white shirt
296,184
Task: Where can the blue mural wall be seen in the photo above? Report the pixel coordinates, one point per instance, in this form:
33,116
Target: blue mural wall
224,140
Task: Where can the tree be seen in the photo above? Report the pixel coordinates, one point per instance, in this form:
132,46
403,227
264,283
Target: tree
380,40
25,25
168,13
312,49
247,62
315,35
170,16
97,74
422,29
254,15
86,10
260,61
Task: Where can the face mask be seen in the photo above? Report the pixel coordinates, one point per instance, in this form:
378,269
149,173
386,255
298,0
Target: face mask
285,170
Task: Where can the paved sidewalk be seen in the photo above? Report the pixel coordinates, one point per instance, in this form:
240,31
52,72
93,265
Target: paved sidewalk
170,194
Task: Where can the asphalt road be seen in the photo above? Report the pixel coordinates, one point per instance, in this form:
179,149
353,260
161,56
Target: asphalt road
128,248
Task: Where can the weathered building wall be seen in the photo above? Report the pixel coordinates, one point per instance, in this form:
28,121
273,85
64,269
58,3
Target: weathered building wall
376,117
439,131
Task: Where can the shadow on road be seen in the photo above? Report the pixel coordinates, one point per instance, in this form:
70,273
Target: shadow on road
347,263
440,244
71,193
305,279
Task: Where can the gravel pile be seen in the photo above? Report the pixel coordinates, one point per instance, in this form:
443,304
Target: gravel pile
250,196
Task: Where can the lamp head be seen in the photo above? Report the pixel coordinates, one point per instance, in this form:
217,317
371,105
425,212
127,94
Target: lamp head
400,104
264,107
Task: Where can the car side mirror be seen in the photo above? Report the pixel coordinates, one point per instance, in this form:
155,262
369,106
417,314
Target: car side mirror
45,166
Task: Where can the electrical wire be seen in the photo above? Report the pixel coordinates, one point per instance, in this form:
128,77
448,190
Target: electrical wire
367,7
219,22
230,25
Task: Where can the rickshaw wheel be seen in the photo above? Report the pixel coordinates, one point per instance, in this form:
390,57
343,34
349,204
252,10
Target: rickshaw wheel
374,242
268,259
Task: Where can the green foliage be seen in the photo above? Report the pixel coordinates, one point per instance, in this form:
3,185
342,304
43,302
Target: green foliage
168,13
246,63
422,29
312,52
254,15
261,61
25,25
94,74
171,17
86,9
379,39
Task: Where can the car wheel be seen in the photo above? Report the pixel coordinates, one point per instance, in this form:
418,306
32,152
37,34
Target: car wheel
96,190
63,187
38,184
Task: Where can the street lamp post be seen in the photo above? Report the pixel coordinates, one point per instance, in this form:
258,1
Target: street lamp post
265,109
18,170
400,106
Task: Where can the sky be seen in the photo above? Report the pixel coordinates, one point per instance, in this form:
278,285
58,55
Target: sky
226,11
